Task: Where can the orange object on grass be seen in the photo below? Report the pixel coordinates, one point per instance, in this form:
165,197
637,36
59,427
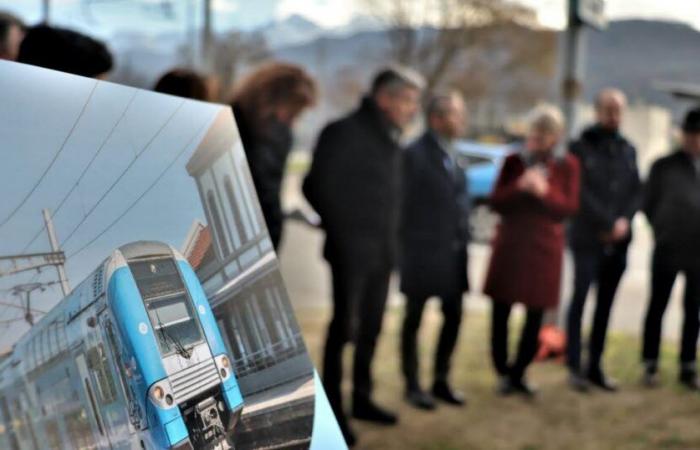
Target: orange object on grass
552,343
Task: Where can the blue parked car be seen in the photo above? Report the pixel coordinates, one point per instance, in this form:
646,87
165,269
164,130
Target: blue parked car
482,163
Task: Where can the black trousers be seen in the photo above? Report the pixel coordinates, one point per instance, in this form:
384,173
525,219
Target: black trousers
605,268
529,339
359,298
664,269
452,317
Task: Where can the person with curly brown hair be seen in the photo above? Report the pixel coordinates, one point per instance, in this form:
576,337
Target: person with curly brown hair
266,105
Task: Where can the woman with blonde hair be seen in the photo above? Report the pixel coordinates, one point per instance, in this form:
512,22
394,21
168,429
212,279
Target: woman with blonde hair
266,105
536,191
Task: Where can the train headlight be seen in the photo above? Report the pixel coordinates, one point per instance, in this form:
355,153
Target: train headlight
161,394
224,366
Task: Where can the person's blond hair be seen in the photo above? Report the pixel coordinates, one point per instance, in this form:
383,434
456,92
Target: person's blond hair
547,118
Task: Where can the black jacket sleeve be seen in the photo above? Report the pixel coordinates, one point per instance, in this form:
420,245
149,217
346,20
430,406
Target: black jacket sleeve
328,185
635,193
652,192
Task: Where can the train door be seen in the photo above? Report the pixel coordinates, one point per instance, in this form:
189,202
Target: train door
23,415
114,392
137,419
93,408
10,432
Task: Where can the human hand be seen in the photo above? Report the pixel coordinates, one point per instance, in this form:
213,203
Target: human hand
540,186
534,181
620,230
524,183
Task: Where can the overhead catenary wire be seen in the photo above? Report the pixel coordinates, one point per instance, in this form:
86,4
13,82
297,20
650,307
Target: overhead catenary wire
84,171
11,321
12,305
143,194
122,174
53,160
32,280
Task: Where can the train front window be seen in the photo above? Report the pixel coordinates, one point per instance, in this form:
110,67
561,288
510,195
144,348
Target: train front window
169,308
174,323
156,277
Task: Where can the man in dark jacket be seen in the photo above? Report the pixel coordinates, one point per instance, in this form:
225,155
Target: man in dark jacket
672,205
353,184
601,232
434,234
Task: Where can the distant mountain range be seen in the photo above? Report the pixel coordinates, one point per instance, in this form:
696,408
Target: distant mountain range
637,54
631,54
297,30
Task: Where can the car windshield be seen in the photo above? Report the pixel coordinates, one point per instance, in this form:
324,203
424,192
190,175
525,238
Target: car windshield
169,308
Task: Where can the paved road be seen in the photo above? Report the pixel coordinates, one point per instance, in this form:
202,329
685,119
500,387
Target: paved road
308,278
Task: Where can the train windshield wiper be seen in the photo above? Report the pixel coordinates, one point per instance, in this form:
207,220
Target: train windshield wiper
179,348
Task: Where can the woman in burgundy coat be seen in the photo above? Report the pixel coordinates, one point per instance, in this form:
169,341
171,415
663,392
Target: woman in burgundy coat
536,191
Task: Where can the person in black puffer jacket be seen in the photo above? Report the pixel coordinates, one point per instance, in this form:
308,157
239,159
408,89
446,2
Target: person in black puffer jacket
354,185
672,205
601,231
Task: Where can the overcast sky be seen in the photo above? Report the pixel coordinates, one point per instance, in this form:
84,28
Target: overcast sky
133,136
107,16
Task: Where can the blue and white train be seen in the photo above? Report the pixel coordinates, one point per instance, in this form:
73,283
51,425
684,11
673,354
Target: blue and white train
131,359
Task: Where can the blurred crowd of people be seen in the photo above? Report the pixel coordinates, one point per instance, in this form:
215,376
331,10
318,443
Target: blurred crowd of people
385,205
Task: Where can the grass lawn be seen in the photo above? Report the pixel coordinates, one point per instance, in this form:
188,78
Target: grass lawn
634,418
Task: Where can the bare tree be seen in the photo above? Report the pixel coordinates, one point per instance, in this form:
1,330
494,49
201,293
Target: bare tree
431,34
233,52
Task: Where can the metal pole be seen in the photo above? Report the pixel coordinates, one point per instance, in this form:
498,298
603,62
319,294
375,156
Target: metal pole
191,22
45,11
28,316
573,68
60,268
207,39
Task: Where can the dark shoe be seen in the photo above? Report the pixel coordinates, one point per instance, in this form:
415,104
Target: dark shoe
650,379
689,379
366,410
504,386
420,399
578,383
522,387
442,391
600,380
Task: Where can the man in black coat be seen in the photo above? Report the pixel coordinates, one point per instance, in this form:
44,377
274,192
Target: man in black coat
434,235
354,185
672,205
601,232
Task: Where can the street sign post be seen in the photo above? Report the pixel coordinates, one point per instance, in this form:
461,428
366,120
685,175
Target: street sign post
582,14
591,13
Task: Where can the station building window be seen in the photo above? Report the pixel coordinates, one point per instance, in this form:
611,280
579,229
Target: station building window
218,224
239,232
